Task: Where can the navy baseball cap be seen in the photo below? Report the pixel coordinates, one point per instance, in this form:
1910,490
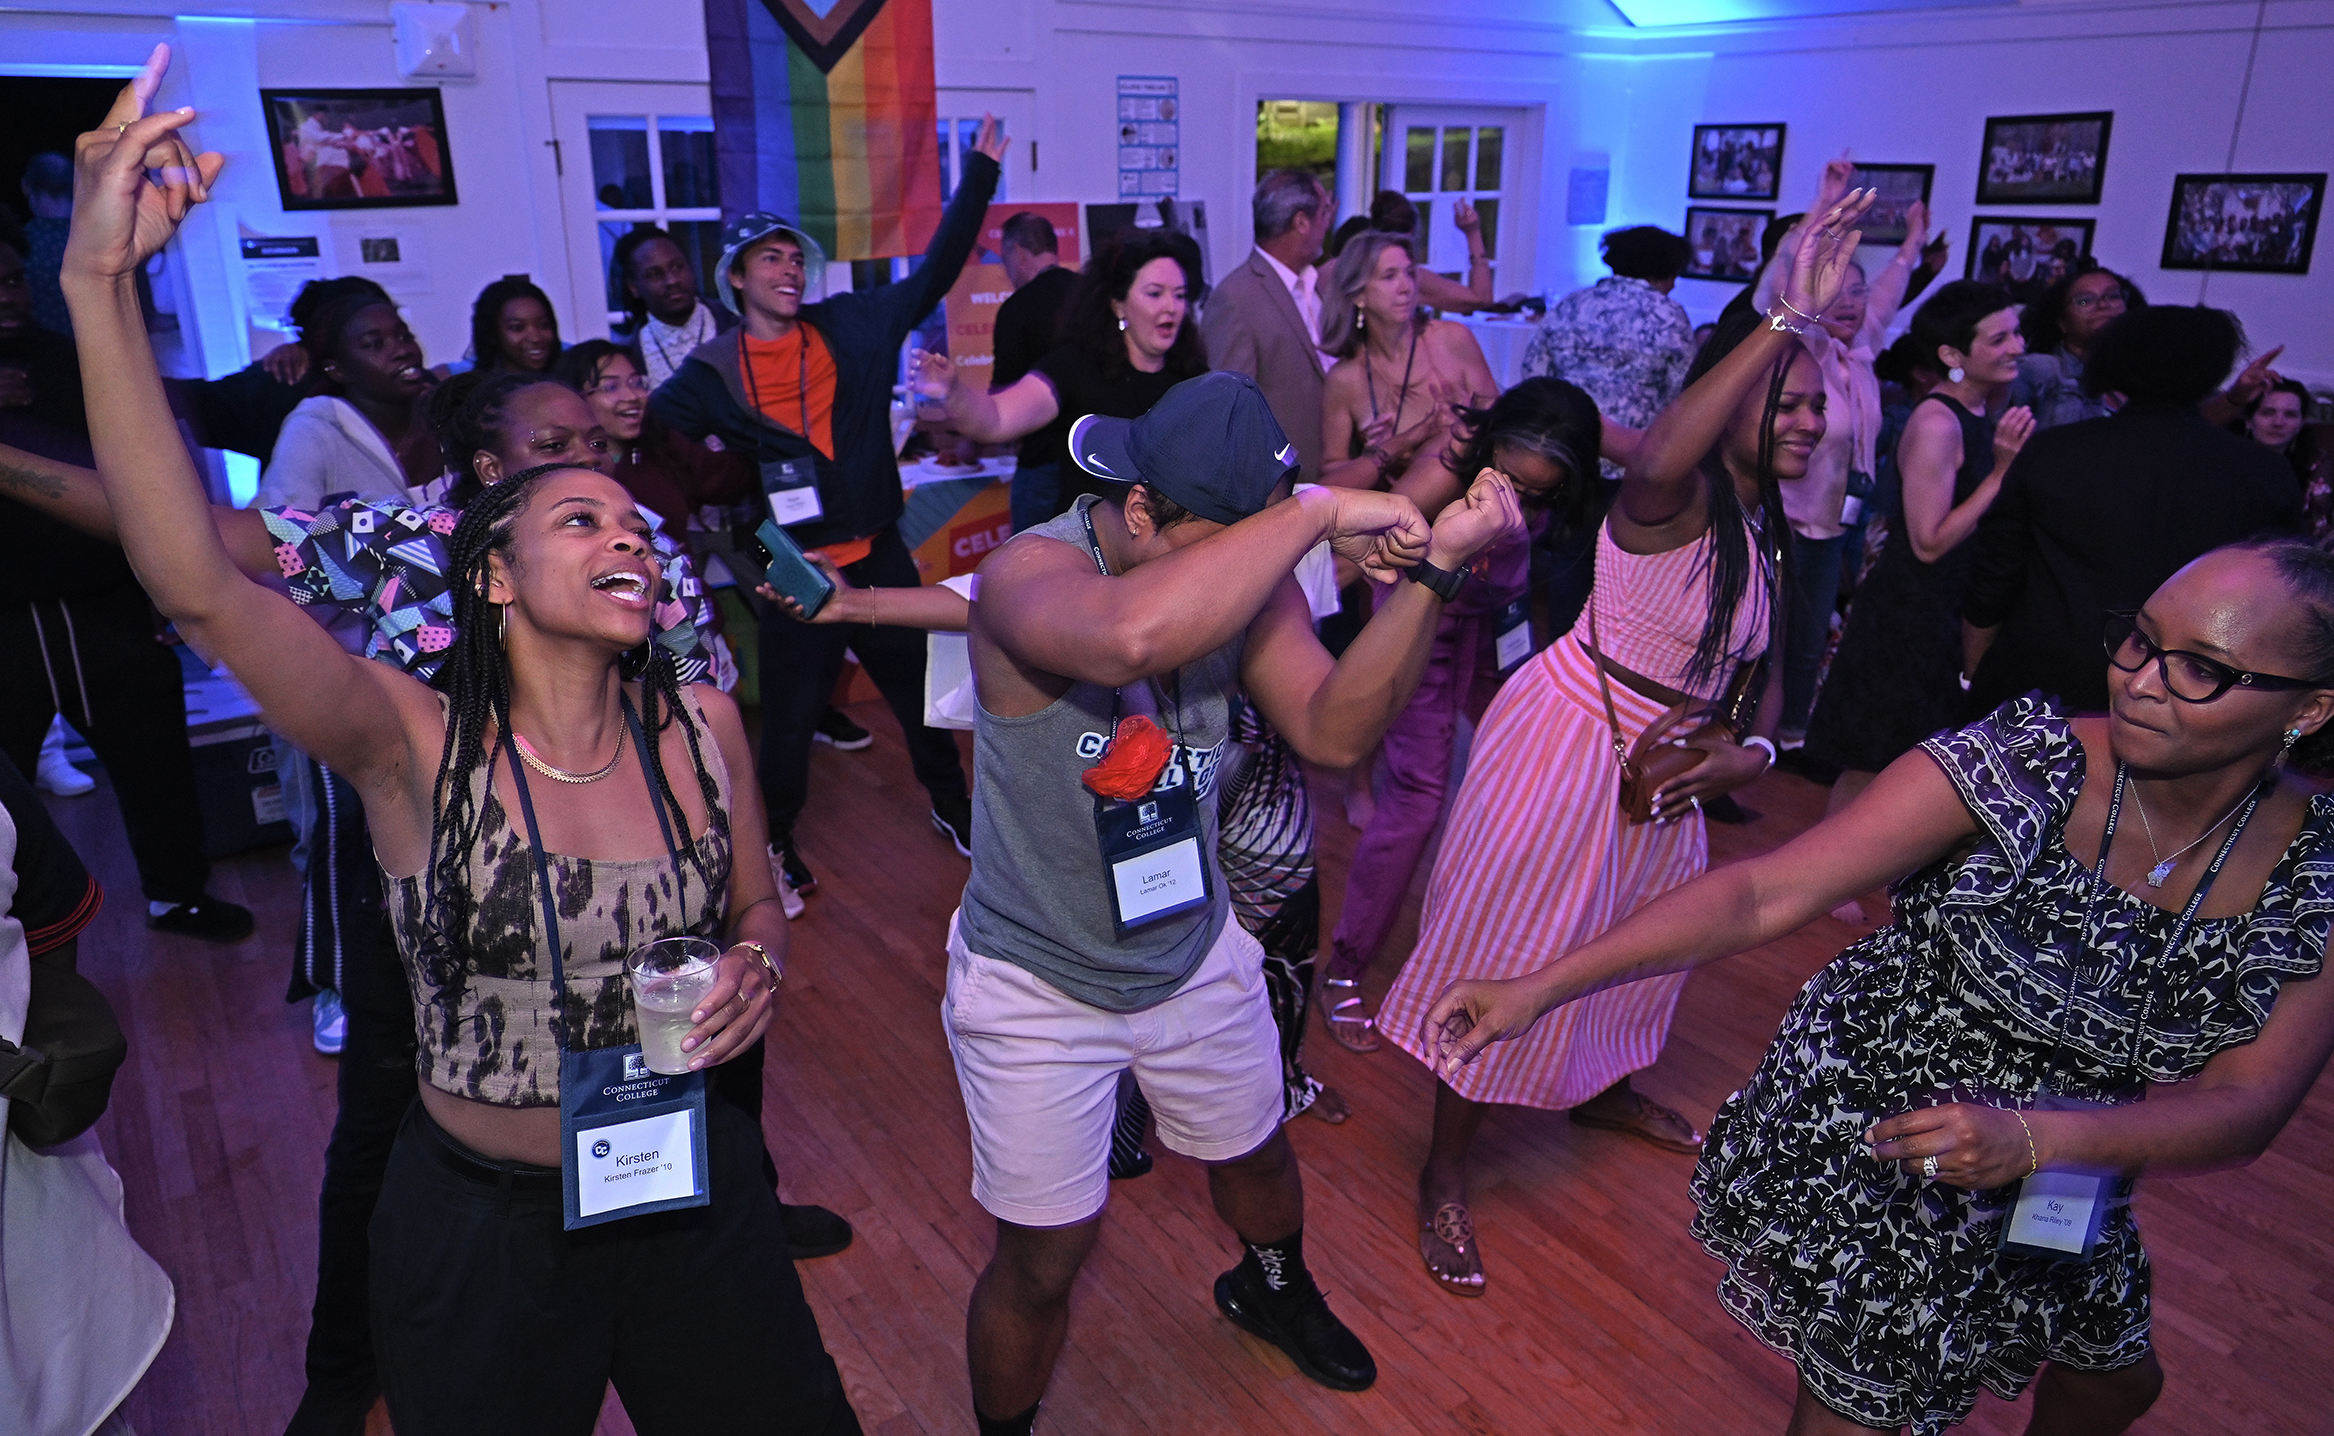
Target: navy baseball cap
747,230
1210,444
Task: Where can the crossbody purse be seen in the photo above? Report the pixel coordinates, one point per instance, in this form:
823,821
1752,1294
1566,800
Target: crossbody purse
1655,759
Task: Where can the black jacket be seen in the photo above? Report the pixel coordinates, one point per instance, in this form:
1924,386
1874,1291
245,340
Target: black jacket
859,488
2094,516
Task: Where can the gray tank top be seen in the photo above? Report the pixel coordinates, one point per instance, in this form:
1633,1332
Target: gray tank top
1039,895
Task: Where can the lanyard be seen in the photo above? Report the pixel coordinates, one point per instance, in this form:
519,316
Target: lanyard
745,362
543,862
1402,397
2179,929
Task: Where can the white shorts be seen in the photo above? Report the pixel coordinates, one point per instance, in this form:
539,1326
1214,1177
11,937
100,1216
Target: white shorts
1039,1070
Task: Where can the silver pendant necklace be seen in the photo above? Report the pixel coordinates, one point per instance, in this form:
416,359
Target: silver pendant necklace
2162,871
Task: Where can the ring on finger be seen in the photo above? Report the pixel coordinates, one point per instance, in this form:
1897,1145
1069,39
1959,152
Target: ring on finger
1929,1167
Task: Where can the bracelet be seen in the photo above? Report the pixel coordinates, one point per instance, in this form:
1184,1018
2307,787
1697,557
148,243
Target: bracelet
1785,300
1781,325
2033,1162
1764,744
769,963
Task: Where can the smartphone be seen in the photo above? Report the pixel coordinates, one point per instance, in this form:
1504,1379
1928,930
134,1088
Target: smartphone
790,573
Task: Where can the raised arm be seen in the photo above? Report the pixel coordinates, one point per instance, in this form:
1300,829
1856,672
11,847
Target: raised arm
1910,816
349,713
905,303
1659,485
1887,291
1044,605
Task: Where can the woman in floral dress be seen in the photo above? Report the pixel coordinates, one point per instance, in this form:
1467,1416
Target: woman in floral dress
2092,907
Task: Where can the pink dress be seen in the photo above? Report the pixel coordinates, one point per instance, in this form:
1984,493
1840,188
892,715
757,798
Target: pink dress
1539,858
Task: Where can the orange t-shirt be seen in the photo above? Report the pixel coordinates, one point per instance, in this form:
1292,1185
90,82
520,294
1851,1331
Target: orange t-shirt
792,382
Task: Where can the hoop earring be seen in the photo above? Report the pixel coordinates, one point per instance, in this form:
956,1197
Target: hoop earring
1955,375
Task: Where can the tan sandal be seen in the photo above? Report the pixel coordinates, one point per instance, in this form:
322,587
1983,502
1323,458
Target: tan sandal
1350,1024
1651,1122
1447,1243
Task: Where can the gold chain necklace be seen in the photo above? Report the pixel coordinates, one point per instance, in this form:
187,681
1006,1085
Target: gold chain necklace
561,774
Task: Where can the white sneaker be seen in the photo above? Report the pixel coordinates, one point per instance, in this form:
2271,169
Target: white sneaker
788,899
57,776
331,1021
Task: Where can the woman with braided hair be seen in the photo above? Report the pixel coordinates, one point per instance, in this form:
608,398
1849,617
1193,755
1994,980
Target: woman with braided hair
489,1316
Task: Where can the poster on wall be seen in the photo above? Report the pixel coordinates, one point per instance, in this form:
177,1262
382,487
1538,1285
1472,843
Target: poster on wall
1150,157
2262,224
275,267
1895,190
1736,162
2025,256
396,257
359,149
1724,243
2044,159
982,286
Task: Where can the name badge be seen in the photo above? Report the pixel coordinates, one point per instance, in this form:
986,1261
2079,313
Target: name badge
631,1141
1851,509
1513,629
1154,852
792,489
1860,487
2058,1213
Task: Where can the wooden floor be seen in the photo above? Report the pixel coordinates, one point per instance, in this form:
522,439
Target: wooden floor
1599,1316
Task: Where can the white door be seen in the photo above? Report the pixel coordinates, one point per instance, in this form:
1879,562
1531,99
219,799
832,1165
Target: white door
632,154
960,123
1438,155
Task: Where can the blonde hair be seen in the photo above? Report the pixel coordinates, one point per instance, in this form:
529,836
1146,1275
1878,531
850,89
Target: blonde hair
1341,329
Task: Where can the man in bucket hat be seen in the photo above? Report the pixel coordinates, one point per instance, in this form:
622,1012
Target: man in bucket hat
1110,647
804,386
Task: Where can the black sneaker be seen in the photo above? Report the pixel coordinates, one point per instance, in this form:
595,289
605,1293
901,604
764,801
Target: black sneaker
1300,1323
812,1231
952,817
790,862
207,918
836,728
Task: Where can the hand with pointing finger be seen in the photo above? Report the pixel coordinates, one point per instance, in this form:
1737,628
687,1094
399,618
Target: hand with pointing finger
134,182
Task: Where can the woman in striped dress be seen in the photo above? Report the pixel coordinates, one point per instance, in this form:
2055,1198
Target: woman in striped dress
1539,857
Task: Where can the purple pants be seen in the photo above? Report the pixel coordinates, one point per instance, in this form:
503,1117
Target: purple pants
1461,674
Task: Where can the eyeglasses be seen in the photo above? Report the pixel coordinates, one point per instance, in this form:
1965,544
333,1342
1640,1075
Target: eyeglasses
637,384
2189,677
2093,301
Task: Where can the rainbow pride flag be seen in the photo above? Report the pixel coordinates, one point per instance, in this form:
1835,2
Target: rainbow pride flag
823,112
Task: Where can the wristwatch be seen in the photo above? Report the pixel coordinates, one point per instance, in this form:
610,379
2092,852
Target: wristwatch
1440,582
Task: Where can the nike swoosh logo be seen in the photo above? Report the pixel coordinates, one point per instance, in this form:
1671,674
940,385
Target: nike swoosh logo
1287,454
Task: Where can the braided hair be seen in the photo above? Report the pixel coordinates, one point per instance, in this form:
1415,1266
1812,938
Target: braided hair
470,412
1730,524
476,679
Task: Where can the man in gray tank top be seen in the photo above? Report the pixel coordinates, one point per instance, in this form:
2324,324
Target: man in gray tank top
1109,647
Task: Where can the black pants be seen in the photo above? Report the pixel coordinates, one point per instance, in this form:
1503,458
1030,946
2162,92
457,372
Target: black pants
96,660
376,1090
490,1318
800,662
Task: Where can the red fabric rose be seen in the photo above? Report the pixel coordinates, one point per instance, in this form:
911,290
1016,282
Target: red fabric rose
1132,763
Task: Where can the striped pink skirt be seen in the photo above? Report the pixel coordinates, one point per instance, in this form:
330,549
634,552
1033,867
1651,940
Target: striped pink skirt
1537,860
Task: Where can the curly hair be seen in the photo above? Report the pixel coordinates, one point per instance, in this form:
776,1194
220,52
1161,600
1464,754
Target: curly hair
486,318
469,413
2170,354
1089,323
1554,420
476,679
1646,251
2043,321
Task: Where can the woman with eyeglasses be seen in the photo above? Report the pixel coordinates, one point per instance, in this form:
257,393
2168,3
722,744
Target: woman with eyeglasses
2087,908
671,474
2060,327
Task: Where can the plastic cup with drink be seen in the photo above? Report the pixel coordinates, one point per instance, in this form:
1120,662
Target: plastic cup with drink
669,978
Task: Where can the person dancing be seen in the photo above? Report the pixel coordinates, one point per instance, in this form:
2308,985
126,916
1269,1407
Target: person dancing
561,558
2052,956
1539,855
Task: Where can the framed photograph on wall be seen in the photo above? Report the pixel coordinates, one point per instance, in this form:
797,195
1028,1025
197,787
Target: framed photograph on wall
1897,189
1736,162
2257,224
1724,243
359,149
2025,255
2043,159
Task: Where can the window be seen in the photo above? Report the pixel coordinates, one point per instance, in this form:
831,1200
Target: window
1439,162
657,170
